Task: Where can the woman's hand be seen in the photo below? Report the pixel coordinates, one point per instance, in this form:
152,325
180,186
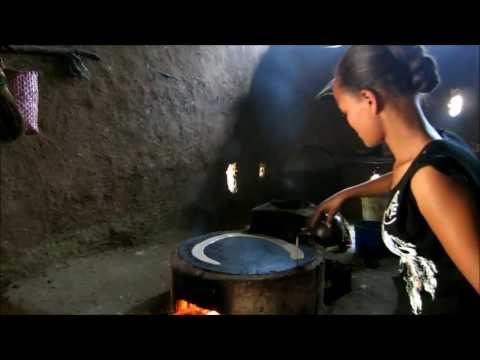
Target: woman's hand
329,207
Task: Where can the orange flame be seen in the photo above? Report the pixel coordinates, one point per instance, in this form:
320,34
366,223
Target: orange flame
183,307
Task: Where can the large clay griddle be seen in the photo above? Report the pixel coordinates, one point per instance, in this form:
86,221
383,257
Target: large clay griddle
244,254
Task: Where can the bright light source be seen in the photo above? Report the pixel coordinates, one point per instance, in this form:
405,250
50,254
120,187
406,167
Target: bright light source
333,46
455,105
232,172
262,170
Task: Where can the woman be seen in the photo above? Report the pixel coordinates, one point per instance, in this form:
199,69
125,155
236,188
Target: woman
11,121
431,222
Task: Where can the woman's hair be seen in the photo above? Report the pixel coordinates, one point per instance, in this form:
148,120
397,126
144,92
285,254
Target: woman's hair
11,121
396,69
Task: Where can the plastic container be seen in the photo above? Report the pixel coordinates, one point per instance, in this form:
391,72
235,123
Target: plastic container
368,241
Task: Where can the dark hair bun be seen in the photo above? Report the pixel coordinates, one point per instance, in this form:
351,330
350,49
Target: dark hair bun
425,79
422,67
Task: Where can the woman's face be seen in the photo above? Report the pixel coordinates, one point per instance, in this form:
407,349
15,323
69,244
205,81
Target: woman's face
360,112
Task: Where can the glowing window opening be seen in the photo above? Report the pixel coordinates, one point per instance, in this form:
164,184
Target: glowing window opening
455,105
262,170
232,172
375,173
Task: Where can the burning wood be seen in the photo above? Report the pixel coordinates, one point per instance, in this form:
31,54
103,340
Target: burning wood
183,307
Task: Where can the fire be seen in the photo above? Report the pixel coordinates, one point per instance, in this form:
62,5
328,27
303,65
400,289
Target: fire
183,307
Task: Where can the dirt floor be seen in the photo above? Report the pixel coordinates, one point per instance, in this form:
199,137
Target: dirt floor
137,281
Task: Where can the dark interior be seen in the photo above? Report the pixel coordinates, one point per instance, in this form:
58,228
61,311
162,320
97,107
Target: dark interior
131,162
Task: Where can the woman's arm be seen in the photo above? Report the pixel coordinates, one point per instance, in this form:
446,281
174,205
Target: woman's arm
453,217
376,187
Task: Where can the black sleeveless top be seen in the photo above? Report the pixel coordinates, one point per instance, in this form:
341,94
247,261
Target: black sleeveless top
429,281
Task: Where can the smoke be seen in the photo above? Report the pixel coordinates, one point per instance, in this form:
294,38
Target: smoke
283,88
268,120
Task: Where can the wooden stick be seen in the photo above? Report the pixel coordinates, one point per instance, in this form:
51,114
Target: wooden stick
296,244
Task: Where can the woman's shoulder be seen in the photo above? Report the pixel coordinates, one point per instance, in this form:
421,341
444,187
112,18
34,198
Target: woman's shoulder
445,168
442,164
432,184
449,155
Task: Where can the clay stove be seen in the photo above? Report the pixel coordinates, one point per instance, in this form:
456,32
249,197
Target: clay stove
243,273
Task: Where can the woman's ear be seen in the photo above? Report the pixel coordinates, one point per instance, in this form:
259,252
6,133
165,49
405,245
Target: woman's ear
373,100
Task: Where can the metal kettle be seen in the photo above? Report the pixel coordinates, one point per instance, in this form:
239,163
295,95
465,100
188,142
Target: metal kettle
325,235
